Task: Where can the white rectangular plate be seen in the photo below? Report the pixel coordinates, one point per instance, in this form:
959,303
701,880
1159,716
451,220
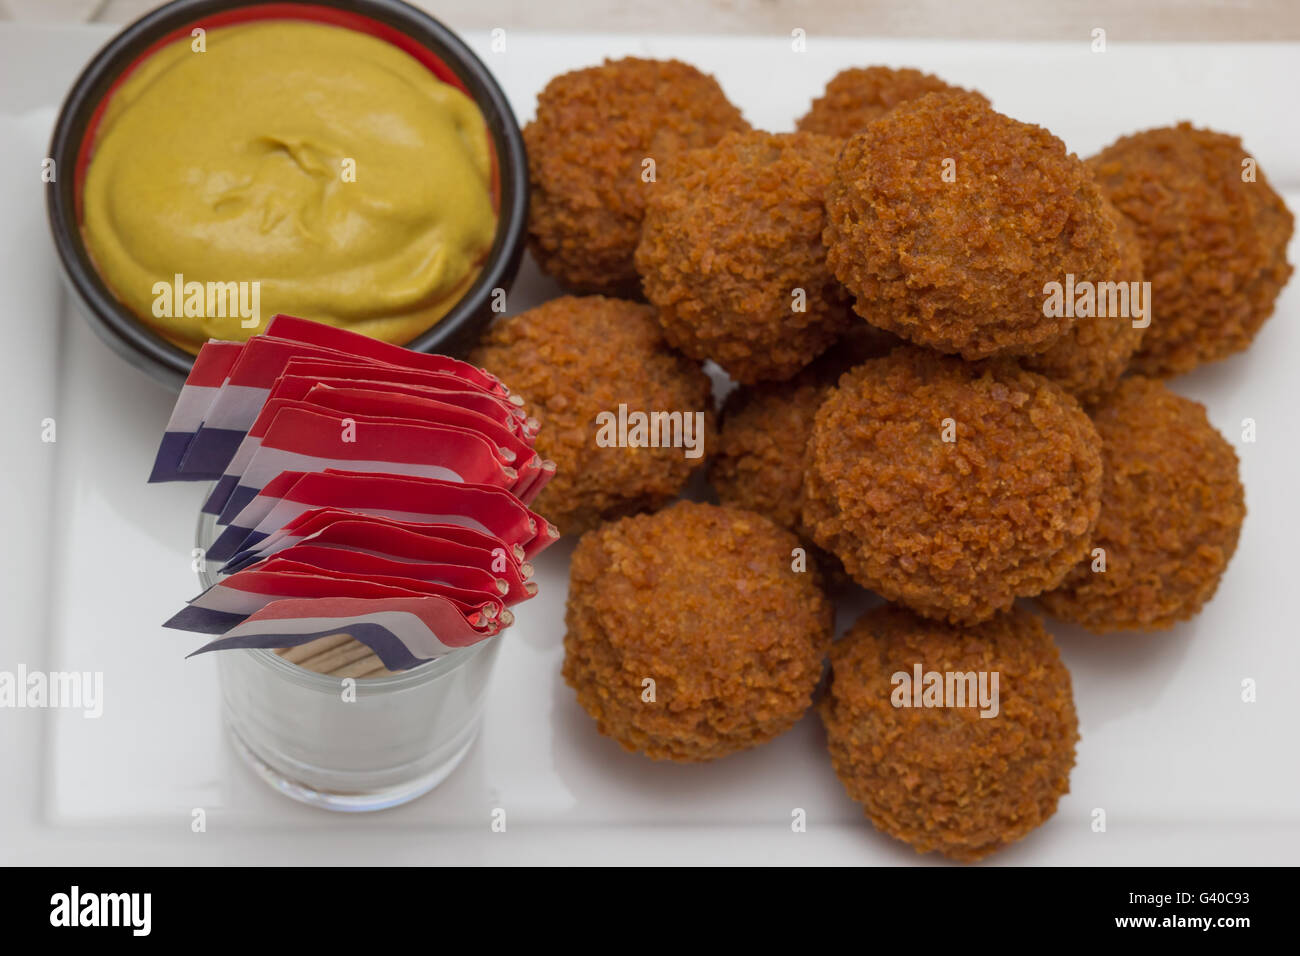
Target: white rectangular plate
95,559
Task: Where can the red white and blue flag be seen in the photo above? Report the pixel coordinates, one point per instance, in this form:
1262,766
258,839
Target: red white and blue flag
364,490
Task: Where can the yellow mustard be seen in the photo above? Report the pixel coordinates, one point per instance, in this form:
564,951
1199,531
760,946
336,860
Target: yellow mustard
287,166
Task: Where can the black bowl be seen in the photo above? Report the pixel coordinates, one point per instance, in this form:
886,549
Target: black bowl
398,22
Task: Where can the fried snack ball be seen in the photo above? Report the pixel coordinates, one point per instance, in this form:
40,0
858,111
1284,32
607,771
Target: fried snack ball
1172,505
758,461
946,219
587,146
729,238
951,487
1088,360
945,778
855,97
702,600
1213,245
575,357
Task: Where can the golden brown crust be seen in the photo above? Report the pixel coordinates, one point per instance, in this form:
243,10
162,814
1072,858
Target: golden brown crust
944,778
594,129
1214,247
575,357
855,97
957,529
758,460
759,457
700,599
960,265
727,240
1088,360
1172,506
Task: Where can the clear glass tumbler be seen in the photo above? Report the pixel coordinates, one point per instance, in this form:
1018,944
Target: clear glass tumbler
350,744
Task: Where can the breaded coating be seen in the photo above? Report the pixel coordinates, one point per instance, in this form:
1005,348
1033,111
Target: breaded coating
947,219
951,487
855,97
729,238
1172,505
1088,360
587,148
758,460
1214,246
700,599
575,357
945,778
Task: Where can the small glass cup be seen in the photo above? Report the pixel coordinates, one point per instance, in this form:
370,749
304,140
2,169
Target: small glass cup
351,744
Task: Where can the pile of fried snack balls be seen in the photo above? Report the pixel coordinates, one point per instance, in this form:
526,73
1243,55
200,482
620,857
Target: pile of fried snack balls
908,415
